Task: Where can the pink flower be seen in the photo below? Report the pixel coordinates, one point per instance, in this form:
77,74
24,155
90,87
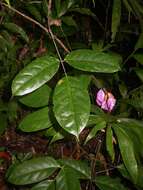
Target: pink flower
105,100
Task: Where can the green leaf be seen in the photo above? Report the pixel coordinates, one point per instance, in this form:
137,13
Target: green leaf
7,1
68,20
63,6
71,105
79,166
91,61
56,135
108,183
125,174
45,7
109,142
31,171
38,98
17,30
45,185
4,44
95,129
139,43
136,97
67,179
139,73
137,7
84,80
135,130
36,121
127,150
95,119
140,177
58,7
34,11
123,89
122,169
139,57
128,6
116,16
34,75
83,11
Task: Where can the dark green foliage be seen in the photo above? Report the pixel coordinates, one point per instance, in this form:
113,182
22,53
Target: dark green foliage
53,60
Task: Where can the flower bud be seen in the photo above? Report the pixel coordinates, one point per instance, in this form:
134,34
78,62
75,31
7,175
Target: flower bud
105,100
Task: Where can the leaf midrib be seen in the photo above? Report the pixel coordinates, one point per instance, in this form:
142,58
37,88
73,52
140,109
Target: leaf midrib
72,104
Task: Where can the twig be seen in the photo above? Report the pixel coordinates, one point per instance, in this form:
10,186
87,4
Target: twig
53,38
38,24
129,56
61,44
108,169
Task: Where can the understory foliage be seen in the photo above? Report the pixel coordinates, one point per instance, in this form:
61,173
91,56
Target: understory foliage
55,56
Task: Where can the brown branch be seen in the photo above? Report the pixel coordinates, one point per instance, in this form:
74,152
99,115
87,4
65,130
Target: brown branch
53,37
38,24
61,44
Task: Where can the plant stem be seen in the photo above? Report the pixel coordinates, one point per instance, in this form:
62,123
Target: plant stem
53,37
38,24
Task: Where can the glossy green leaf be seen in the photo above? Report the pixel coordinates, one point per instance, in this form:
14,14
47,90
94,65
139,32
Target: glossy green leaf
45,185
125,174
36,121
135,129
109,142
71,105
108,183
34,75
31,171
116,16
79,166
95,129
127,150
38,98
67,179
139,57
84,80
89,60
17,30
139,73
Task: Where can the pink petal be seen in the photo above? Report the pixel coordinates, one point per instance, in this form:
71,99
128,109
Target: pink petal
104,106
100,97
111,102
